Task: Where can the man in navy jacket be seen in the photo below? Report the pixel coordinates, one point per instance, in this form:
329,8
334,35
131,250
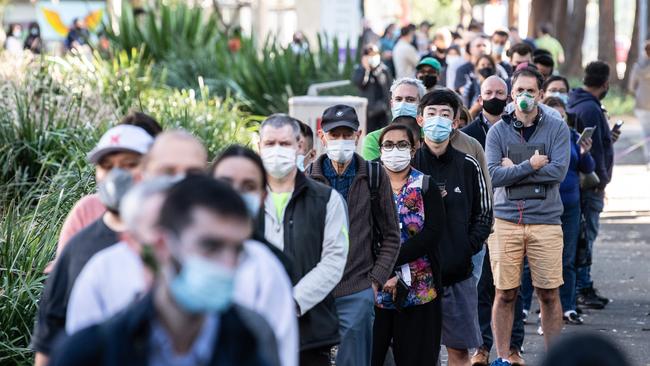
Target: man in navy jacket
585,104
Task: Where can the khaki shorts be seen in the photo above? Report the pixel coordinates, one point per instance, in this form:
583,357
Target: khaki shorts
542,244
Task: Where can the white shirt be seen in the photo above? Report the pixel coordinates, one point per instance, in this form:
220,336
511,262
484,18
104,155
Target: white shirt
114,277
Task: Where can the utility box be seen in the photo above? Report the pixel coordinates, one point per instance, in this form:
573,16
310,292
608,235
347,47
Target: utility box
309,109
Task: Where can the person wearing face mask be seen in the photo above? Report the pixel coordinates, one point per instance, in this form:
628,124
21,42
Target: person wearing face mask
558,86
117,158
405,96
428,71
400,319
454,60
14,43
527,225
366,271
483,69
441,42
585,102
308,221
306,152
34,42
468,210
188,317
493,99
373,79
475,48
498,41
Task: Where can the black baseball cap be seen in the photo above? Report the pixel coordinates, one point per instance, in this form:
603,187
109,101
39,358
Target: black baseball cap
340,115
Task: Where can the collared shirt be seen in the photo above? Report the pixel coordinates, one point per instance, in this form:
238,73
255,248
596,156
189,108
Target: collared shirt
162,348
341,183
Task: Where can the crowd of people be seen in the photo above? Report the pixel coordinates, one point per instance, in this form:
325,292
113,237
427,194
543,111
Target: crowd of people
476,186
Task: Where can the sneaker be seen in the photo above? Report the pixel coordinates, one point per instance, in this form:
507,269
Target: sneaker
588,298
515,357
500,362
572,317
526,312
481,357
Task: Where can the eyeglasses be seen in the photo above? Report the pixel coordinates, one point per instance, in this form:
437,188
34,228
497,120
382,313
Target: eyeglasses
401,145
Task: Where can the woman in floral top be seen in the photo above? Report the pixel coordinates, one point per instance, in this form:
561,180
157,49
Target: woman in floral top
410,317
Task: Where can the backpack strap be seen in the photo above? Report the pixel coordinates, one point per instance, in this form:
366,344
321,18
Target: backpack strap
425,183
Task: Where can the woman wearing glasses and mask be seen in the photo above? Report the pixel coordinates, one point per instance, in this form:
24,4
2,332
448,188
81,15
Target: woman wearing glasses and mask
407,308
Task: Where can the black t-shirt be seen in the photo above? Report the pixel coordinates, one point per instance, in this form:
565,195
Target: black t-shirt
58,286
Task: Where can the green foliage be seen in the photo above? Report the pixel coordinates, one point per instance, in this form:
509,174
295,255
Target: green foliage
50,117
618,102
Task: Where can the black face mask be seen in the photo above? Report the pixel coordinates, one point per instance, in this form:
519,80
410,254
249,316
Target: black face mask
495,106
603,94
486,72
429,81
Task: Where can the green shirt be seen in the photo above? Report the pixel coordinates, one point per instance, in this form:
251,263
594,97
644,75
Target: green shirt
552,45
371,149
280,201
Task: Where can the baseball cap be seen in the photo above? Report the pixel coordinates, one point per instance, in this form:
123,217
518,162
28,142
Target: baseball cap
121,138
340,115
429,61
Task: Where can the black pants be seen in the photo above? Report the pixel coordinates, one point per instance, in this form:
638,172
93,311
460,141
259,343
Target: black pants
316,357
414,332
486,300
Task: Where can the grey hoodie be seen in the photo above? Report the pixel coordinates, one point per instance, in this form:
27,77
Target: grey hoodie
554,134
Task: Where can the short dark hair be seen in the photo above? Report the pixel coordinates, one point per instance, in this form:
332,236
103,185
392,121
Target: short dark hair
405,30
501,33
596,74
199,191
554,102
544,60
520,49
442,96
241,152
397,127
144,121
528,72
554,78
411,123
493,65
307,132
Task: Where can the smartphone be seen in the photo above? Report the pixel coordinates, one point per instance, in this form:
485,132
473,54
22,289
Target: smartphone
618,125
586,133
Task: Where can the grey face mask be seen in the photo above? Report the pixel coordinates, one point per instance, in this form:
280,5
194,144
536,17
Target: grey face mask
114,186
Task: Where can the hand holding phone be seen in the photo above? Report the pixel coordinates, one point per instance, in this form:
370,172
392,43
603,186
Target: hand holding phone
586,133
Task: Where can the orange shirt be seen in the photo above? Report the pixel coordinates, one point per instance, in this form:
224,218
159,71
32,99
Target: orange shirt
88,209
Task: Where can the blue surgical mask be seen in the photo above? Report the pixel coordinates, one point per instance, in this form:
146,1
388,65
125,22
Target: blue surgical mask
563,96
300,162
253,202
202,286
437,128
404,109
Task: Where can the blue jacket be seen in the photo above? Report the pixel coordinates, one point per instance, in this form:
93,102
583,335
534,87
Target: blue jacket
554,134
570,187
587,108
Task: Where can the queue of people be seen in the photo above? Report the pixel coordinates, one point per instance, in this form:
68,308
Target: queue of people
435,231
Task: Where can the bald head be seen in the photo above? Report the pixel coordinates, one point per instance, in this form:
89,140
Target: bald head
494,86
175,153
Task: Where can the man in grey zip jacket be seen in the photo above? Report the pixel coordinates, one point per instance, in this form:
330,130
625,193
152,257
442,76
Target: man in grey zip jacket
529,226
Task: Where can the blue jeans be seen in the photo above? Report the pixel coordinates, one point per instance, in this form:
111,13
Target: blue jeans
356,315
570,231
477,263
592,205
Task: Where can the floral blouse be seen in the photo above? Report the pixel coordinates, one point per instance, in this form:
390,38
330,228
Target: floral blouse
410,210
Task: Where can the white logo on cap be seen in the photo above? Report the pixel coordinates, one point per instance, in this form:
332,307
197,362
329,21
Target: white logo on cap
339,113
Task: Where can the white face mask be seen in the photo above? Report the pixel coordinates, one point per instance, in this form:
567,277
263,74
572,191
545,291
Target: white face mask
341,151
278,160
374,61
396,160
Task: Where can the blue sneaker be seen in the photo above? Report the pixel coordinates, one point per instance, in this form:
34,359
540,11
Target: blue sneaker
500,362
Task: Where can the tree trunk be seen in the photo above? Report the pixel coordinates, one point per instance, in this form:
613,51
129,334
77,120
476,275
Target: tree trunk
575,27
513,13
540,13
560,11
633,53
607,35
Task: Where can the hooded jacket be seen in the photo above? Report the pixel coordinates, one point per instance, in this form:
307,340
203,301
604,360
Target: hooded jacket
587,108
